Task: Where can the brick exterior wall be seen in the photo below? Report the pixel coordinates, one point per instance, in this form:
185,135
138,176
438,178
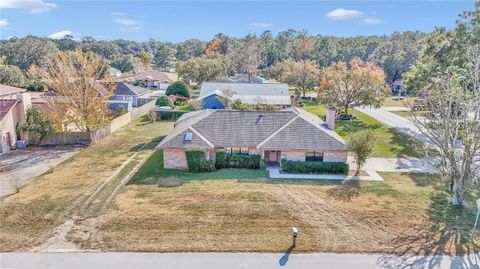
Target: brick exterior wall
293,155
335,156
174,158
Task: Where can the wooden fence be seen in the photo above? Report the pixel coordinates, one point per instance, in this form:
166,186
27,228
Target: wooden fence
97,135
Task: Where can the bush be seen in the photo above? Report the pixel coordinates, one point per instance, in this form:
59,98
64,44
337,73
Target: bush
314,167
121,110
197,162
178,88
224,160
164,101
171,114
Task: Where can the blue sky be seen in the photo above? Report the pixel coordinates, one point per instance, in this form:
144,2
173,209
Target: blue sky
180,20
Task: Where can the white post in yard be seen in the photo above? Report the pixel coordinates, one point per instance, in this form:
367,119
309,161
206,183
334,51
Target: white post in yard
478,213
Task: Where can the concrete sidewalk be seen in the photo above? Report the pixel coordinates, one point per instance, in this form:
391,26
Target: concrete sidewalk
229,260
274,172
372,166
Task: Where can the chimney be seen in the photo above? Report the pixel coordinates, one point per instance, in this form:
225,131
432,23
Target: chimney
331,117
26,102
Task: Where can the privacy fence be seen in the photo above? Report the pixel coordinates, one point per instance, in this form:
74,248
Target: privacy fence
93,137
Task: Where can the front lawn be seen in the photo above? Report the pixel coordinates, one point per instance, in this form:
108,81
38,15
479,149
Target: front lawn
152,172
390,143
405,214
29,217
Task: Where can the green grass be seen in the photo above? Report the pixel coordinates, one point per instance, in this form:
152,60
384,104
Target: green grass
389,144
391,102
152,172
186,107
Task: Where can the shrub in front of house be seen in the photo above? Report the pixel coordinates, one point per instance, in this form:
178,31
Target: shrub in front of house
178,88
164,101
336,168
197,162
225,160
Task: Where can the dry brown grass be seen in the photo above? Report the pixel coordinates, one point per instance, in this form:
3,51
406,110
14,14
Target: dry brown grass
227,215
29,216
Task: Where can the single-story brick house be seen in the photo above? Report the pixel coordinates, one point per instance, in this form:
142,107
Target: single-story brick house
291,134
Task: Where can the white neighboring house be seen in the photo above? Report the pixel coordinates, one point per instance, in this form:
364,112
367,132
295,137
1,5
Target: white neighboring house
249,93
115,73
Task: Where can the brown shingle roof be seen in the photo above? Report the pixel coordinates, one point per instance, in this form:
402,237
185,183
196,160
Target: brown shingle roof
5,106
154,75
286,129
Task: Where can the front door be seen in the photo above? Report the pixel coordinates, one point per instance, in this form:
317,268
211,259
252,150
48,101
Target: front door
272,156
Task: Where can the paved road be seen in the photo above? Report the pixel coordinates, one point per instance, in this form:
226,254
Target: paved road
227,260
19,167
400,123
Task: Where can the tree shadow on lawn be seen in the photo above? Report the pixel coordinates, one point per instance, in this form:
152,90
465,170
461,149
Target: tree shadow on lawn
405,145
447,232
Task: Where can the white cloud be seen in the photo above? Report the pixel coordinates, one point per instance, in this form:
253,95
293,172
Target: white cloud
34,6
371,21
133,29
344,14
116,13
61,34
3,23
125,22
263,25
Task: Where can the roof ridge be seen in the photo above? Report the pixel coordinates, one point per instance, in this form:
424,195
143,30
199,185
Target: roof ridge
323,129
197,133
277,131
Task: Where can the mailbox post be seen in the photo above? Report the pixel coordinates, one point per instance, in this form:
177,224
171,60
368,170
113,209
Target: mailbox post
478,213
294,236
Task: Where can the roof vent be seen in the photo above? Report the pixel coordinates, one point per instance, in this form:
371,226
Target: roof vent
260,119
187,137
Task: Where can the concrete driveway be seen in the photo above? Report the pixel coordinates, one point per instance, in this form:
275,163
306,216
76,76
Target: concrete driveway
19,167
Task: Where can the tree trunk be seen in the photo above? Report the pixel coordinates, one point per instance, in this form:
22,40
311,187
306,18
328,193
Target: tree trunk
346,109
457,196
358,168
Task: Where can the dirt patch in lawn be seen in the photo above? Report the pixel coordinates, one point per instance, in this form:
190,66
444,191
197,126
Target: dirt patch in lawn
29,217
405,214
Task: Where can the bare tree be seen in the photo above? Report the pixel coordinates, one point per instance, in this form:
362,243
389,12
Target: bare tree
452,124
245,56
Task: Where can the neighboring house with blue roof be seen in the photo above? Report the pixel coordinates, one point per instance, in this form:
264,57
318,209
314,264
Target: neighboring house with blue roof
212,94
128,92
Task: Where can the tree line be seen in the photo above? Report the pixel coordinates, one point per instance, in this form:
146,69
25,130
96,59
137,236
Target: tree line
223,55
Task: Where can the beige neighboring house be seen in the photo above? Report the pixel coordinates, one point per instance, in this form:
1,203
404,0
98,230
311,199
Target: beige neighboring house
115,73
9,92
12,112
155,79
291,134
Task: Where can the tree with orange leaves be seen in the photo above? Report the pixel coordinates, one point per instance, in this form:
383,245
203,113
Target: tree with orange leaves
79,97
357,82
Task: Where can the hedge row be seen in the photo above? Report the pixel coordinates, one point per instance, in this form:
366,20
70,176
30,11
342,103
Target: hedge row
314,167
170,114
224,160
197,162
